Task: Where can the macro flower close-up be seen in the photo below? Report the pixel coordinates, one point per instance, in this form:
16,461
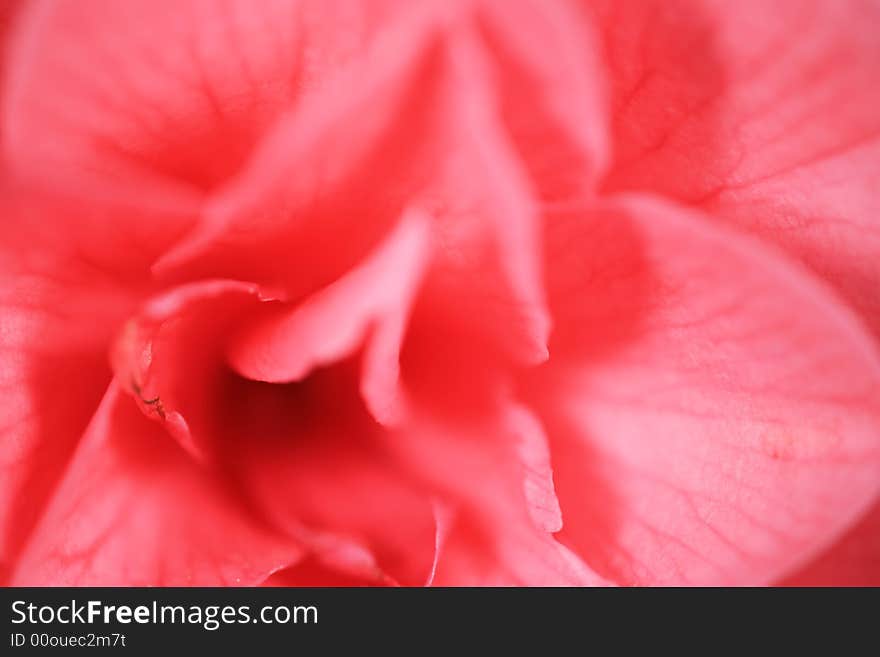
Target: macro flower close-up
439,292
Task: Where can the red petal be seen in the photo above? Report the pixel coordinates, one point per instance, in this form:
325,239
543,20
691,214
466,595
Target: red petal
303,454
308,457
479,553
713,411
375,297
94,92
9,11
129,513
777,133
341,163
312,572
168,357
552,90
487,278
854,560
61,299
496,501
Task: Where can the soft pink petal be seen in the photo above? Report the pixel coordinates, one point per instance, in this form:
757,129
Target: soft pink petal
9,11
311,572
773,127
168,355
374,299
303,454
48,394
854,560
283,230
548,68
174,93
476,553
61,300
310,459
712,410
482,307
133,509
342,163
497,507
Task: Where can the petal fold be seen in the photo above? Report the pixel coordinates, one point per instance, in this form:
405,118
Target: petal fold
498,507
61,300
712,409
130,514
108,102
854,560
374,299
547,57
343,162
776,134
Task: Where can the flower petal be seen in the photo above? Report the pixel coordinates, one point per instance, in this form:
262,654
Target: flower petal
61,300
482,306
478,553
341,163
129,514
497,507
312,572
93,93
168,356
310,459
777,133
303,454
854,560
552,86
9,12
713,411
375,297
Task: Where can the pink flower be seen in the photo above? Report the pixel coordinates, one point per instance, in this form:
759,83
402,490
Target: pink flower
488,292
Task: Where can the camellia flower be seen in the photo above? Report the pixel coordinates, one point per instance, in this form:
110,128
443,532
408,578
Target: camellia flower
463,293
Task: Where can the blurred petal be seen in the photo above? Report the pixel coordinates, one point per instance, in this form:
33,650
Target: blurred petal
9,11
552,88
482,310
498,507
373,298
303,454
61,299
491,255
712,412
476,553
108,99
168,356
854,560
309,458
312,572
130,514
343,162
777,133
